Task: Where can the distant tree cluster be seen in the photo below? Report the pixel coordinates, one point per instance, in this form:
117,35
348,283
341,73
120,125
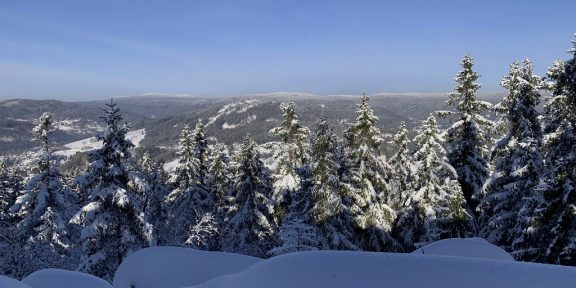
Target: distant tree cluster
511,182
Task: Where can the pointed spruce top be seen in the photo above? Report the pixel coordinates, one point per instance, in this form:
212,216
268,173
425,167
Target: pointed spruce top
573,49
464,97
42,131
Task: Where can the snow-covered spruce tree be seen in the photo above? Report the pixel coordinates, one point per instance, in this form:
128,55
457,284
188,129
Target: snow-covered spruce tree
152,183
436,210
220,177
289,153
17,258
402,189
15,255
510,192
186,169
329,213
402,168
297,232
10,187
191,199
468,138
220,183
556,218
47,206
201,153
113,223
251,229
316,217
373,216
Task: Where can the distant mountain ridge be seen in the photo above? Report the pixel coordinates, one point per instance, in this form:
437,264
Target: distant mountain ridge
228,119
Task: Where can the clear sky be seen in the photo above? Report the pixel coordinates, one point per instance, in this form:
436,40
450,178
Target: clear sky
75,50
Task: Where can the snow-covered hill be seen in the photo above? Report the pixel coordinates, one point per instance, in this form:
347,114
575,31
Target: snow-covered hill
445,264
91,143
339,269
172,267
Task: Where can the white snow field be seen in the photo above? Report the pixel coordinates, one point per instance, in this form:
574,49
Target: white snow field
465,247
6,282
168,267
55,278
92,143
341,269
450,263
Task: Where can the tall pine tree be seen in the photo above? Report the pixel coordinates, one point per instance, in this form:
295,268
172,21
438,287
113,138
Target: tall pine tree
556,218
152,183
510,192
113,223
10,188
467,139
329,213
297,232
370,208
191,198
436,209
290,153
47,206
402,168
251,228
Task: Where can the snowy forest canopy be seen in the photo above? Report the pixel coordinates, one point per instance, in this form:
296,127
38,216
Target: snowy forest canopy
510,181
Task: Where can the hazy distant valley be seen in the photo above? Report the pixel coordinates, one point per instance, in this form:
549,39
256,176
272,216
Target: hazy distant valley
162,117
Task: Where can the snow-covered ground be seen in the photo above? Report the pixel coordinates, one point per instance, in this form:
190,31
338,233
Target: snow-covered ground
6,282
171,267
54,278
470,247
91,143
448,263
339,269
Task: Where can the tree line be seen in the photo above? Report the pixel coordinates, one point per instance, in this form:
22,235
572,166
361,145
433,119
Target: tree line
510,181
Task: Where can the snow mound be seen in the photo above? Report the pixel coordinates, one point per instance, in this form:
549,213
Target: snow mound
56,278
6,282
341,269
465,247
166,267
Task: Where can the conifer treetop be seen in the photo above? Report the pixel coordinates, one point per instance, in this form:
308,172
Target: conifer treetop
464,99
401,140
573,49
42,131
512,83
290,130
364,131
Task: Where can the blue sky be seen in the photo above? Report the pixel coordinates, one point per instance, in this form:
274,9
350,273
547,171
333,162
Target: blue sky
75,50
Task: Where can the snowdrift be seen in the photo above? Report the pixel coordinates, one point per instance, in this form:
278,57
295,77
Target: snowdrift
167,267
55,278
465,247
6,282
471,263
340,269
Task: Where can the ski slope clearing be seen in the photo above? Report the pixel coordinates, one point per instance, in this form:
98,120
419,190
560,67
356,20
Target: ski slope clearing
340,269
55,278
92,143
169,267
465,247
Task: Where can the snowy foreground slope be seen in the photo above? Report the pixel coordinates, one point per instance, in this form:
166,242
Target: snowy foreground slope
339,269
448,263
168,267
6,282
469,247
53,278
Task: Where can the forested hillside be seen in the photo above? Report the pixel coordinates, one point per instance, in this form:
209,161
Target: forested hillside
502,171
